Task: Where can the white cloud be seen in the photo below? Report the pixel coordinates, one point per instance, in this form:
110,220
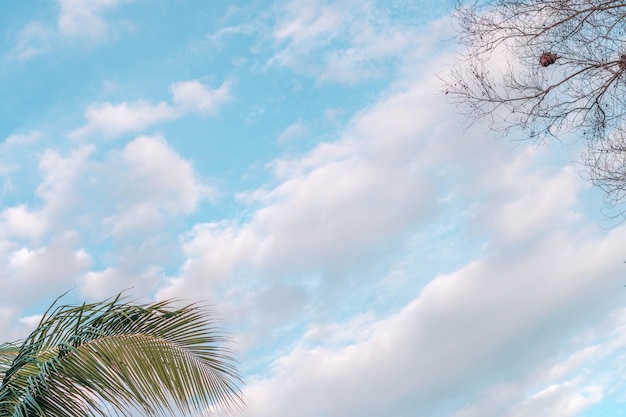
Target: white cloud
15,328
60,186
193,96
339,204
140,219
83,18
565,399
341,208
308,27
41,252
7,315
311,20
337,211
560,400
141,189
32,40
346,42
292,132
32,274
494,318
112,120
149,179
175,188
115,119
77,19
136,197
19,140
22,223
14,148
31,321
60,191
215,40
104,284
591,370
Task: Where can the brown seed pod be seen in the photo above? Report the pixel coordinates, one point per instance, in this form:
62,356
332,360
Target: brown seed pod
547,58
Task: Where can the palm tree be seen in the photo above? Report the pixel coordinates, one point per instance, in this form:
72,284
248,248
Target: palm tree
113,358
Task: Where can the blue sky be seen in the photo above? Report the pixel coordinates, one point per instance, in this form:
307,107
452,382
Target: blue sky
293,163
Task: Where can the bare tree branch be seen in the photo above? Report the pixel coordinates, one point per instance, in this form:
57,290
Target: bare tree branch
548,67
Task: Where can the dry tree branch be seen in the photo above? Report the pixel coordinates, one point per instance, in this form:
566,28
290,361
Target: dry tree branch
548,67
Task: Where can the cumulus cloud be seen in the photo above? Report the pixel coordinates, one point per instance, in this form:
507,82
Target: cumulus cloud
62,175
84,18
334,214
343,207
340,204
134,190
491,320
102,284
40,248
31,274
112,120
22,223
115,119
461,331
59,192
194,96
141,189
176,187
150,178
137,184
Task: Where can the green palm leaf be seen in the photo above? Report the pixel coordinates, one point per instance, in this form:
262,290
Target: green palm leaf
8,352
112,358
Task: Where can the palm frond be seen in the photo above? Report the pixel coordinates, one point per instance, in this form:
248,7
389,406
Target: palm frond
112,357
8,352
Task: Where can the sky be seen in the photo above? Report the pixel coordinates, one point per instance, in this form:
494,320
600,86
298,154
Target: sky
295,165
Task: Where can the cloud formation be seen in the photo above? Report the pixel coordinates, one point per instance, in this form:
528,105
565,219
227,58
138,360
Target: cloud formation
343,207
150,178
193,96
348,42
79,18
341,202
113,120
32,40
137,200
494,320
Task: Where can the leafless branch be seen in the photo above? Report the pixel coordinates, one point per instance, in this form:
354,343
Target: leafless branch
548,67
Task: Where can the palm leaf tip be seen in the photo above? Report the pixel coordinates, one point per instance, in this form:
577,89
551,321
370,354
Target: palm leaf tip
94,358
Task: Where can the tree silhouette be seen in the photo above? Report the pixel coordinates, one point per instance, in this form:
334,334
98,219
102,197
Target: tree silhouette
548,67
